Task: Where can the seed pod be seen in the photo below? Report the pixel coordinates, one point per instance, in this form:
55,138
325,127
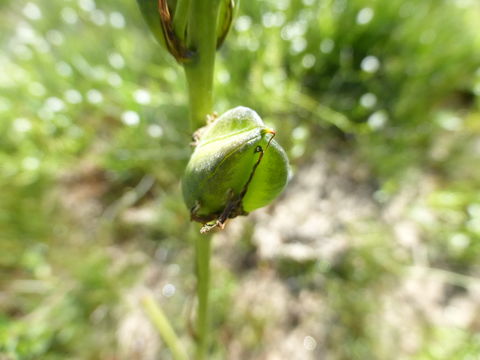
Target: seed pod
236,168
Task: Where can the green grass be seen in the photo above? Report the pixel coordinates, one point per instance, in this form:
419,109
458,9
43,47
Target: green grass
94,124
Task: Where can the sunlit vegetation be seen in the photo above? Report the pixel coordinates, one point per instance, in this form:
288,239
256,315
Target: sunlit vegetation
94,128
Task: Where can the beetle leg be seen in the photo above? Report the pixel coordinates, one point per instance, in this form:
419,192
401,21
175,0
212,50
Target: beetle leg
212,117
197,136
231,207
208,227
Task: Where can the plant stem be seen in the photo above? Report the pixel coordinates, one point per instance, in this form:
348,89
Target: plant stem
202,248
202,40
166,331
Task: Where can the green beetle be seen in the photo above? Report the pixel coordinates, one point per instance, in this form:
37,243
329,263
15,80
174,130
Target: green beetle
236,168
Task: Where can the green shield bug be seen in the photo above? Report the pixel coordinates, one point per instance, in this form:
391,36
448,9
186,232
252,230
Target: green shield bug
236,168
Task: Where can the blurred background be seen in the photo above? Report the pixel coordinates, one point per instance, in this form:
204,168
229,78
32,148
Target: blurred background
373,250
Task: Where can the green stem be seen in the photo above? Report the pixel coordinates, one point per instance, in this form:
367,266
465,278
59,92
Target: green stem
202,39
202,247
163,326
